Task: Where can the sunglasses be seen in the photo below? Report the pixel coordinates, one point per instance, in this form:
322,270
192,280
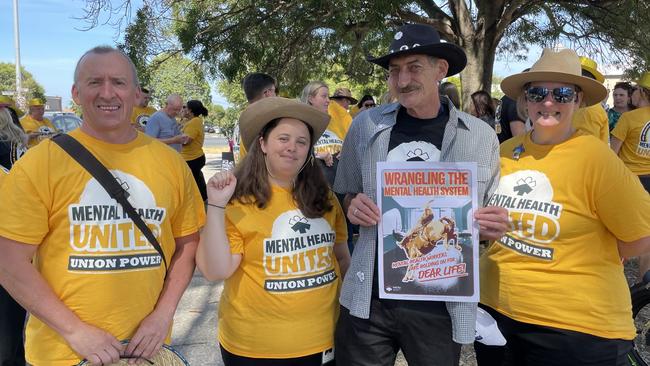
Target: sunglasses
537,94
368,105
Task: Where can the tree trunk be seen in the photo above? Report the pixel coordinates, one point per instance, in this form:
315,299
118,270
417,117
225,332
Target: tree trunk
477,75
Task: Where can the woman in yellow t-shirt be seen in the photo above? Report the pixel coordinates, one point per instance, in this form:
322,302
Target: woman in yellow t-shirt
555,282
277,235
192,150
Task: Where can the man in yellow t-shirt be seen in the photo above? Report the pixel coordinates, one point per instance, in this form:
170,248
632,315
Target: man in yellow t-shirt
592,120
95,279
142,111
37,127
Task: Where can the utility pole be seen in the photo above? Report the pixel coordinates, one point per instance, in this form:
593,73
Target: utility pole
20,99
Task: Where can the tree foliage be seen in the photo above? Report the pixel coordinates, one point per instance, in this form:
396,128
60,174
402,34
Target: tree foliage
298,41
176,74
136,43
8,81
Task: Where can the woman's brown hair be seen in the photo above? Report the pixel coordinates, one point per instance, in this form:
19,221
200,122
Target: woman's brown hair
310,190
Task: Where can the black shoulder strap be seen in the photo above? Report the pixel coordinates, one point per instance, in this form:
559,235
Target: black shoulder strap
87,160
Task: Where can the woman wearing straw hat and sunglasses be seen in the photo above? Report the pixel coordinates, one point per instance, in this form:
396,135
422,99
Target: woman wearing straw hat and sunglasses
554,282
277,235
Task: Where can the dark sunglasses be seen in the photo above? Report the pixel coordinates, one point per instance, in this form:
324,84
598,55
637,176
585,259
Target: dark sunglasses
368,105
537,94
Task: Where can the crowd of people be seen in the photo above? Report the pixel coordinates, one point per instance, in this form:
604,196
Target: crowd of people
279,228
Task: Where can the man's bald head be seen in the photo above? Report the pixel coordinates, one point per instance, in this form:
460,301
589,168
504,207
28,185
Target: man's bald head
100,50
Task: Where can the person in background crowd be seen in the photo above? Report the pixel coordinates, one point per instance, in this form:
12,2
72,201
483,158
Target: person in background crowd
450,90
482,107
14,111
511,118
316,94
142,111
50,205
275,195
163,125
13,144
257,85
593,119
192,150
366,102
622,103
343,96
631,142
37,127
371,330
565,192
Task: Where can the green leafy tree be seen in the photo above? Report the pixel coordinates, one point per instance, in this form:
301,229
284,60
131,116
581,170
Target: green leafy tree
8,81
176,74
137,43
298,41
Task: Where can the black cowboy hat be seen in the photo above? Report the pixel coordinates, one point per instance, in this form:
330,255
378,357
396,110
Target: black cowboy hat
423,39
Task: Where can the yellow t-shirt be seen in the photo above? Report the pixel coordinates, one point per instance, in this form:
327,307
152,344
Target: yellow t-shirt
282,301
89,252
332,139
559,266
194,129
633,130
242,150
593,121
140,115
31,125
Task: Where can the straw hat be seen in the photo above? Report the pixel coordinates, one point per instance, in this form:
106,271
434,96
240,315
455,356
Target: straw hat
644,80
36,102
425,40
343,93
257,115
10,103
590,65
562,67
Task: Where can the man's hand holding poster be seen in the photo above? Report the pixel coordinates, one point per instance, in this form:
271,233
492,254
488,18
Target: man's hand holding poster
428,240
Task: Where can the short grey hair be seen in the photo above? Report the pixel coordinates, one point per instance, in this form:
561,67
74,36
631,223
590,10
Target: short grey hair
174,97
102,50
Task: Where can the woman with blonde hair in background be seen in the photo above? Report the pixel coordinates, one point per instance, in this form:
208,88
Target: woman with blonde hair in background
276,234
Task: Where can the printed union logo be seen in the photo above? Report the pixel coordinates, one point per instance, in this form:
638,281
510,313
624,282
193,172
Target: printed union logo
417,155
524,186
299,224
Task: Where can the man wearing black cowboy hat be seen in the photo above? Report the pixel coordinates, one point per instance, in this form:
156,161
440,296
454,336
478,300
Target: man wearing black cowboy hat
421,126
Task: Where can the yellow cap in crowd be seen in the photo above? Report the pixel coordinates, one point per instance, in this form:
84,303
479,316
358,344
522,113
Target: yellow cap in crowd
644,80
590,65
10,103
36,102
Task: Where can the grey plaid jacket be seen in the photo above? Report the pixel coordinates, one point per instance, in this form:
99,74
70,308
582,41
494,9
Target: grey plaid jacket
466,138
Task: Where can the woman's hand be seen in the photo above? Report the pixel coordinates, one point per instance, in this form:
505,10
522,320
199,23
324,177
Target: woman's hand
326,157
221,187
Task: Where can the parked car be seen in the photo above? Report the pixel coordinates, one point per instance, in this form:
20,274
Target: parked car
209,129
63,121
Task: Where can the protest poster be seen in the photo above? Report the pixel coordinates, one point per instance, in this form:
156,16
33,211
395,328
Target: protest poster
427,236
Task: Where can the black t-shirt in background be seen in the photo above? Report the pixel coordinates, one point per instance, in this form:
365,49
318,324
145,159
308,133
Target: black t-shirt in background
507,114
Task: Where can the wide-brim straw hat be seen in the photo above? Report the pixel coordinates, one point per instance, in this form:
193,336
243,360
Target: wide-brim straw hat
344,93
563,67
425,40
257,115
